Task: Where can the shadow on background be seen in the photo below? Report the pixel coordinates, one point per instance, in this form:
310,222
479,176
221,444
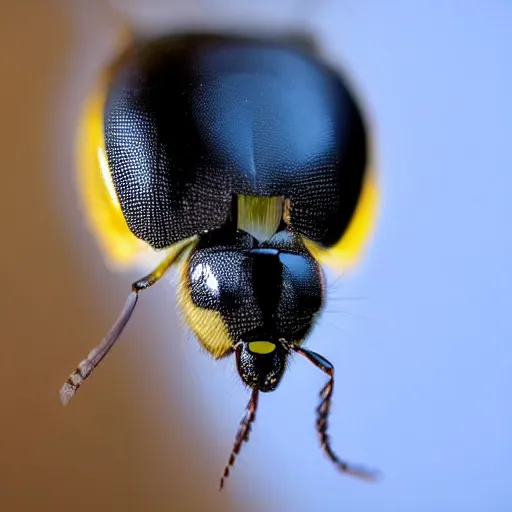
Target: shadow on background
101,453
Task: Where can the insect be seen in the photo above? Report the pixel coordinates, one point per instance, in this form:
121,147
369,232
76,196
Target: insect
246,161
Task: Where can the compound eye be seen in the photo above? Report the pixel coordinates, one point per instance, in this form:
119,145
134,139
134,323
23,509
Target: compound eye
303,269
302,286
204,283
217,279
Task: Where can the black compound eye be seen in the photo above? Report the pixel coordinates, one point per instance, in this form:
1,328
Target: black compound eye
302,281
300,268
217,279
205,284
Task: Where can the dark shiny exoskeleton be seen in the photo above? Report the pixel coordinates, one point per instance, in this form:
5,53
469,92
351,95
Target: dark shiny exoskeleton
209,138
191,123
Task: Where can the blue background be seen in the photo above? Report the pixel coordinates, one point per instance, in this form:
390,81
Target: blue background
423,349
424,363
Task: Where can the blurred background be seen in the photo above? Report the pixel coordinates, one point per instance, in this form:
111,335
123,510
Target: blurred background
423,356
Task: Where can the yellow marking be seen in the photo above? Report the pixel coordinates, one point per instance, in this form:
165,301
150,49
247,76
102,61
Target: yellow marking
98,197
173,255
348,252
105,173
261,347
207,325
286,211
260,216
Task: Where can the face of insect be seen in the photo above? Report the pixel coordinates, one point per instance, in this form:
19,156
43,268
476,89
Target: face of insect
266,296
261,364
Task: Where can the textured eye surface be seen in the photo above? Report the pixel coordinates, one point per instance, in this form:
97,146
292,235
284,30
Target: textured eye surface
217,279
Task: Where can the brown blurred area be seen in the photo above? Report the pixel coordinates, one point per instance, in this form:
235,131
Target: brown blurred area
113,448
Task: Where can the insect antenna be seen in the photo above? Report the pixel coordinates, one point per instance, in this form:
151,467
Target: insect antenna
94,358
86,367
242,434
323,416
